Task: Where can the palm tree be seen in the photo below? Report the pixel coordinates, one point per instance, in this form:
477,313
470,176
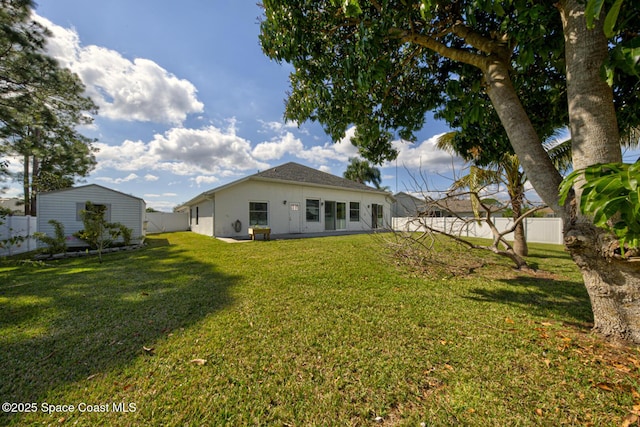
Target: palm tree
362,171
560,151
506,169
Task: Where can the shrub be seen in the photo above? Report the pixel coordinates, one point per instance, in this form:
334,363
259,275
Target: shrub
57,244
99,233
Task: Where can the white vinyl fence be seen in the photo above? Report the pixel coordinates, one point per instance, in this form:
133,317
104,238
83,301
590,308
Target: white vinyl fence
537,230
163,222
21,227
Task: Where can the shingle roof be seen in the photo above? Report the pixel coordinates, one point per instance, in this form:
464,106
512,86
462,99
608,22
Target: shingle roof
295,172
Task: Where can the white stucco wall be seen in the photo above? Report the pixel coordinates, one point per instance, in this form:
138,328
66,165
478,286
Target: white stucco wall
201,217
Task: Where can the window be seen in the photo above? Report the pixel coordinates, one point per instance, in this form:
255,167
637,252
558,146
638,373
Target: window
354,211
258,213
197,214
104,208
313,210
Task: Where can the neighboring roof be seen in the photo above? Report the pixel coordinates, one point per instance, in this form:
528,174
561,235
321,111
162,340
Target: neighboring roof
294,173
92,185
452,205
416,199
446,204
14,204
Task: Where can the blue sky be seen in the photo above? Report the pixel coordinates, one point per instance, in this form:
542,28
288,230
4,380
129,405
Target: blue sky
189,102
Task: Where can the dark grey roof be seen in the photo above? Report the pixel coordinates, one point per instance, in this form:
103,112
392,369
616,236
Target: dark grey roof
298,173
295,173
446,204
452,205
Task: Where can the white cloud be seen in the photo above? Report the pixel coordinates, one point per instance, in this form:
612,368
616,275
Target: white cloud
199,180
130,177
187,152
156,196
278,147
138,90
278,126
340,151
150,178
209,149
129,156
425,156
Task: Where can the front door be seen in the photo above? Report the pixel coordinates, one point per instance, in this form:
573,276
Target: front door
294,218
377,216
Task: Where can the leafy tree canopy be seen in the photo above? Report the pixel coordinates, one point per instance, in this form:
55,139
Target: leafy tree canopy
41,106
382,65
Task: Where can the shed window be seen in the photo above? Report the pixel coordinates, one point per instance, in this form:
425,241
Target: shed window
104,207
313,210
258,213
354,211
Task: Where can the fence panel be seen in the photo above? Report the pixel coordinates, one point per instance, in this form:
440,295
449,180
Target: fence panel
163,222
18,226
537,230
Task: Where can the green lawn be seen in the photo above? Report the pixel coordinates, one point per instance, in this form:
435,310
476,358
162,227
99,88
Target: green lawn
323,331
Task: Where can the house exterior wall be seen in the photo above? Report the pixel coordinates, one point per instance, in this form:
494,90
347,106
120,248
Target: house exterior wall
232,204
201,217
61,206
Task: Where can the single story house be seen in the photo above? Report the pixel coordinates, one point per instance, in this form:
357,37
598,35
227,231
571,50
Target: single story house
289,199
409,205
66,205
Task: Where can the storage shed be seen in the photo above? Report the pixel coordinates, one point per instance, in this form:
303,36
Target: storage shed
65,206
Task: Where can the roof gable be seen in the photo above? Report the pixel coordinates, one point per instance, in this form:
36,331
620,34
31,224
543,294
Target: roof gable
295,172
91,186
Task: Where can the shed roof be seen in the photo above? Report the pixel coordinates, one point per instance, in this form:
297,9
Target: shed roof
294,173
91,185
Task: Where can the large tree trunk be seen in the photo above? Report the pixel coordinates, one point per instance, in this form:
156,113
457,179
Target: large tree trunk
535,161
520,240
25,185
519,236
613,283
35,172
592,115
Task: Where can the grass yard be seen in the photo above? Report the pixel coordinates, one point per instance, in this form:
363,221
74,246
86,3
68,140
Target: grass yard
324,331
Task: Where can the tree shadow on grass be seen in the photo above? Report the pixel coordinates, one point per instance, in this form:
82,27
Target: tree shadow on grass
548,298
75,318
